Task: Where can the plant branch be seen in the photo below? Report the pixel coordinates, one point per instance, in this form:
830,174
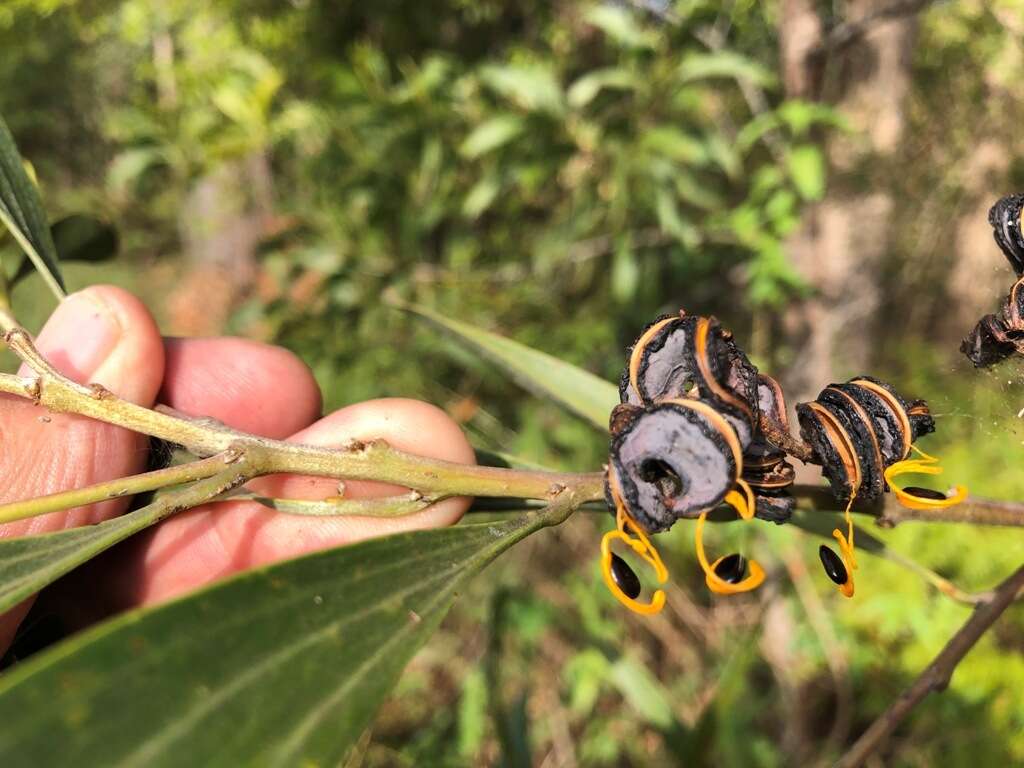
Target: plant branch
374,460
938,674
889,512
114,489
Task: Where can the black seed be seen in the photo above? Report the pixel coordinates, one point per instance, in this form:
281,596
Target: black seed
834,567
925,493
732,568
625,578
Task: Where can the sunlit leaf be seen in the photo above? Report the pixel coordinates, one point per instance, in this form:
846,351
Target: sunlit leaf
533,87
807,170
581,392
584,90
29,563
21,211
620,26
492,134
281,666
724,64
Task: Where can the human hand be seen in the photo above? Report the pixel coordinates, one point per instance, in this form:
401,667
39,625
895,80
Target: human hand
105,335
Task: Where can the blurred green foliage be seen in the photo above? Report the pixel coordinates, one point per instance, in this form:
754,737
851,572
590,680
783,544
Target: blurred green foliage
560,172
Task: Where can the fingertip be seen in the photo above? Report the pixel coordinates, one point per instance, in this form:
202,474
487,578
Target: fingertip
105,335
248,385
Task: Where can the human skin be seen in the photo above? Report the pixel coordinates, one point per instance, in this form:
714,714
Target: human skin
105,335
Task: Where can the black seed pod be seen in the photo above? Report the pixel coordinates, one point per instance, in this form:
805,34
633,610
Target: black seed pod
834,567
625,577
692,357
830,439
989,343
660,362
996,337
732,568
858,429
1004,217
672,461
774,506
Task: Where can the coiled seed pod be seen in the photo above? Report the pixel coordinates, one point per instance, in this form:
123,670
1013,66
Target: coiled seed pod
683,356
857,430
1004,217
996,337
673,460
765,468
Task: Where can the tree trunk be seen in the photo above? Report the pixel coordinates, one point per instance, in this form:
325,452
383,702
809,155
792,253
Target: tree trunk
844,237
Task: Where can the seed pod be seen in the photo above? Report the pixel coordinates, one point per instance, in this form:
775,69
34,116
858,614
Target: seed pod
625,577
860,428
774,506
673,461
833,565
661,364
732,568
989,343
996,337
1004,217
692,357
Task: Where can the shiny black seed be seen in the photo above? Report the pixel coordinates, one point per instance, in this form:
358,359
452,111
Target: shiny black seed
625,578
732,568
834,567
925,493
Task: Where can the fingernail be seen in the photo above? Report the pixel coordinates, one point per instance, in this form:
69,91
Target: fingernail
79,336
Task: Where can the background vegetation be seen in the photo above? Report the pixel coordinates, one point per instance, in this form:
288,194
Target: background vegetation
562,172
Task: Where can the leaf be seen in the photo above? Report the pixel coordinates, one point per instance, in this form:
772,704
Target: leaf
807,170
491,134
29,563
280,666
21,211
584,90
724,64
77,238
480,196
533,87
580,391
670,141
620,26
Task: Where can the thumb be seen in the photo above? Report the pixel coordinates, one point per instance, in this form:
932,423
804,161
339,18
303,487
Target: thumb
101,335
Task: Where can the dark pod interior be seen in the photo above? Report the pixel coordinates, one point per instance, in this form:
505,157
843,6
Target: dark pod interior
666,368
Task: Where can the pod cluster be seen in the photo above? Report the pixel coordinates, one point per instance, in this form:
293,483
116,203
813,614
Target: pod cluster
997,336
697,420
687,431
698,426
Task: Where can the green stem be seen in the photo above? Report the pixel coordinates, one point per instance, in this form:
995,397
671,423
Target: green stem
113,489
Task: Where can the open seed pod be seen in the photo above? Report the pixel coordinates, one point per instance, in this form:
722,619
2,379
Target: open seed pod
1004,217
673,460
764,465
857,430
996,337
688,356
660,363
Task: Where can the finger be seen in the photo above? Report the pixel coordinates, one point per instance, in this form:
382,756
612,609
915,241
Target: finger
246,385
101,335
249,386
211,542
